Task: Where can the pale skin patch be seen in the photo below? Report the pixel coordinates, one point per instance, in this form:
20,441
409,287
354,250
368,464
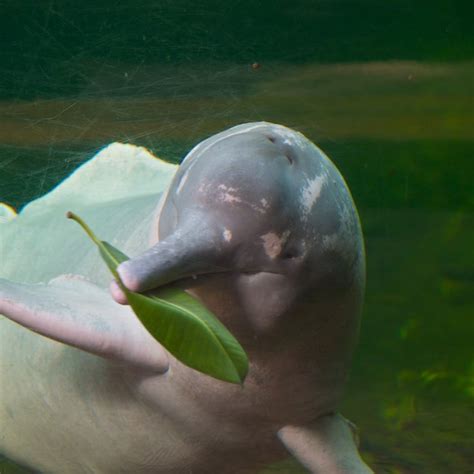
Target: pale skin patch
227,234
227,197
227,194
261,210
291,137
273,243
311,193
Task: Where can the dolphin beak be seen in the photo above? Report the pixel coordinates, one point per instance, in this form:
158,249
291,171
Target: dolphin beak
192,249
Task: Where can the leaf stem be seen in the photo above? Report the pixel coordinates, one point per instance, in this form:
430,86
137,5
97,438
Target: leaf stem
87,229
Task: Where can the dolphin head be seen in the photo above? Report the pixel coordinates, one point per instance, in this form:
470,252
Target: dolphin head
256,221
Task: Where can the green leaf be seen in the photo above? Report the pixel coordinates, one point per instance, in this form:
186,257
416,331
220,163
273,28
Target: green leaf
180,323
112,257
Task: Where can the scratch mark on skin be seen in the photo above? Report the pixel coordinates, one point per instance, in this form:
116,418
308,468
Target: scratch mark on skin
273,244
311,193
292,138
227,194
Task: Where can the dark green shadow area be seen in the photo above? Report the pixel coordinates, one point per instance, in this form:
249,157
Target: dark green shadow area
50,49
427,174
9,467
412,386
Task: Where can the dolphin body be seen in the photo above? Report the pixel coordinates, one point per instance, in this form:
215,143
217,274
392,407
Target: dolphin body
86,389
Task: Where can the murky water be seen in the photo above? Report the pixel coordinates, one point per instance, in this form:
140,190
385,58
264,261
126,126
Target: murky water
391,106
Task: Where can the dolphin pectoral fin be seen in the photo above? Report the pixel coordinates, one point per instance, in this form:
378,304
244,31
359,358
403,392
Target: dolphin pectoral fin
74,311
326,446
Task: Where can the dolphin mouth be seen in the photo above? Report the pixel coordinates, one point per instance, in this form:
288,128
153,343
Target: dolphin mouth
186,280
151,280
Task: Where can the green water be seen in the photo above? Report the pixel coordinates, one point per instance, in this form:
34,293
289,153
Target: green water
386,90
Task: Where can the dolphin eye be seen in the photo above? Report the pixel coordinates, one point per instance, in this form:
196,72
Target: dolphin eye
289,253
292,250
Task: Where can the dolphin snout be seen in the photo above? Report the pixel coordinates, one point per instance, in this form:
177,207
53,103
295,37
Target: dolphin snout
194,248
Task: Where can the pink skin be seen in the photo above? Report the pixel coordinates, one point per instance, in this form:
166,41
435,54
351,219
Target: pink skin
117,294
266,225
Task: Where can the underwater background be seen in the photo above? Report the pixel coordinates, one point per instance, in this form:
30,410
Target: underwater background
384,88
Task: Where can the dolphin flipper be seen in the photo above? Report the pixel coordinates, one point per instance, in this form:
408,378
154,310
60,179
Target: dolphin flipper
74,311
326,446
